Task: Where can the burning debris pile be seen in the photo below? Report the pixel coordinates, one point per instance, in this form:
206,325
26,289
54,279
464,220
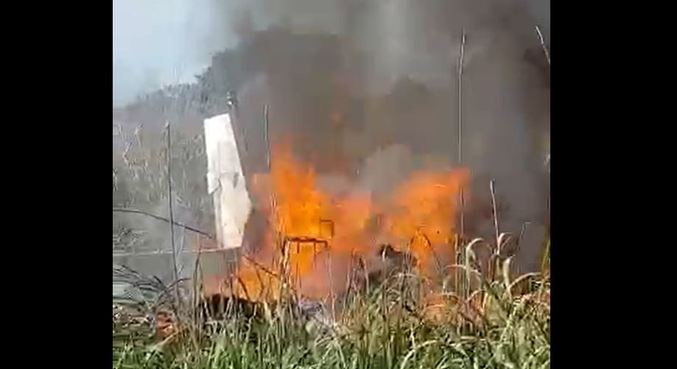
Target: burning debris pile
315,240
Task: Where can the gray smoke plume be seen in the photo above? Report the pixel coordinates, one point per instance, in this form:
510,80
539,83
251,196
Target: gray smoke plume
368,90
398,62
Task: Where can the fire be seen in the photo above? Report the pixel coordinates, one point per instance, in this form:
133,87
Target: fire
299,206
316,234
423,215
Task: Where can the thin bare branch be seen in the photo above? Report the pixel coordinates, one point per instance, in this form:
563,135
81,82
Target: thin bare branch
136,211
460,128
545,48
171,205
495,214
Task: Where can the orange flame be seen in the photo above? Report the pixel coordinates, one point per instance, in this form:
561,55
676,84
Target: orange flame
423,215
323,232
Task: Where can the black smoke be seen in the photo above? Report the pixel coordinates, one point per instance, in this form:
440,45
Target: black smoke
352,81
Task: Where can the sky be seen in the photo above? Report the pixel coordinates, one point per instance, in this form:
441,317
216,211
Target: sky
160,42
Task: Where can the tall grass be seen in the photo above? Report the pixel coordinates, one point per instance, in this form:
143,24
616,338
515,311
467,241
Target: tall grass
502,323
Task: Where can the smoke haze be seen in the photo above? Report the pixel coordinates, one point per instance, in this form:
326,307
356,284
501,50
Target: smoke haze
369,89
